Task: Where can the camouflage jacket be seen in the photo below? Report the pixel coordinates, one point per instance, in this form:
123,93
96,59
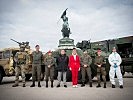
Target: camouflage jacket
49,60
21,58
99,60
86,60
37,57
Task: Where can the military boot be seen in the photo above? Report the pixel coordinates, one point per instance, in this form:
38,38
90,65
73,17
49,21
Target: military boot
39,85
104,85
65,86
98,86
52,84
33,84
121,86
83,84
113,86
24,85
46,84
90,84
58,85
15,85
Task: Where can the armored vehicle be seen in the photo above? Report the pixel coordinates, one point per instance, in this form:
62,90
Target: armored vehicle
92,51
124,47
7,64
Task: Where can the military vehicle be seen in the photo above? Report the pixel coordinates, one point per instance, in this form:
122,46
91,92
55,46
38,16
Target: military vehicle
28,67
84,45
92,51
7,63
124,47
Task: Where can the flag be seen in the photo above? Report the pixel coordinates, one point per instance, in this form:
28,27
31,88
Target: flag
64,13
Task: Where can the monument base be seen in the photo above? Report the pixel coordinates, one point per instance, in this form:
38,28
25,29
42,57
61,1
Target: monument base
66,43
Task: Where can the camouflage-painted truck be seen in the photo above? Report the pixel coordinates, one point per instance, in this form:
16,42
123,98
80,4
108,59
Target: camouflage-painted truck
7,64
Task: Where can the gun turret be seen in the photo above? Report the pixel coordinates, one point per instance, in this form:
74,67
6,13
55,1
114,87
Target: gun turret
84,45
16,41
24,45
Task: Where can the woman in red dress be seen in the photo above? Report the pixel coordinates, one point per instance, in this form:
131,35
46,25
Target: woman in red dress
74,66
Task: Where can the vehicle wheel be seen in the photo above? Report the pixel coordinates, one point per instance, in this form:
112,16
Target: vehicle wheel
28,76
1,76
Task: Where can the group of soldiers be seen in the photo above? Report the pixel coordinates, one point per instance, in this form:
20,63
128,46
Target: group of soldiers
74,63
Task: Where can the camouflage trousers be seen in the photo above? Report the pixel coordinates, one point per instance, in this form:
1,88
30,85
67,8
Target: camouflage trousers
101,71
36,69
49,72
84,71
20,69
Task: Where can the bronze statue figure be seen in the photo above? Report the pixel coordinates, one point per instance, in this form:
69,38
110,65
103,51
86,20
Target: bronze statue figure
65,27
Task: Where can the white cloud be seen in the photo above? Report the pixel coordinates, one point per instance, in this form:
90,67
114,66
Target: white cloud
36,20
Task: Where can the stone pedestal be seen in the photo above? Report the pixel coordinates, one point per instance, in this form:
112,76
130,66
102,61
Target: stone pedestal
66,43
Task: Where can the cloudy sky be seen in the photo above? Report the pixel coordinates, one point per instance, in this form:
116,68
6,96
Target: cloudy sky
36,21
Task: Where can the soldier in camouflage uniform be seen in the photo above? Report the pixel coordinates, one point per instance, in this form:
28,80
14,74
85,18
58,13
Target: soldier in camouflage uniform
49,68
20,60
85,67
100,64
37,58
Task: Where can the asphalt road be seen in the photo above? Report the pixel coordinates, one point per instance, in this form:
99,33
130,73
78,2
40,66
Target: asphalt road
7,92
